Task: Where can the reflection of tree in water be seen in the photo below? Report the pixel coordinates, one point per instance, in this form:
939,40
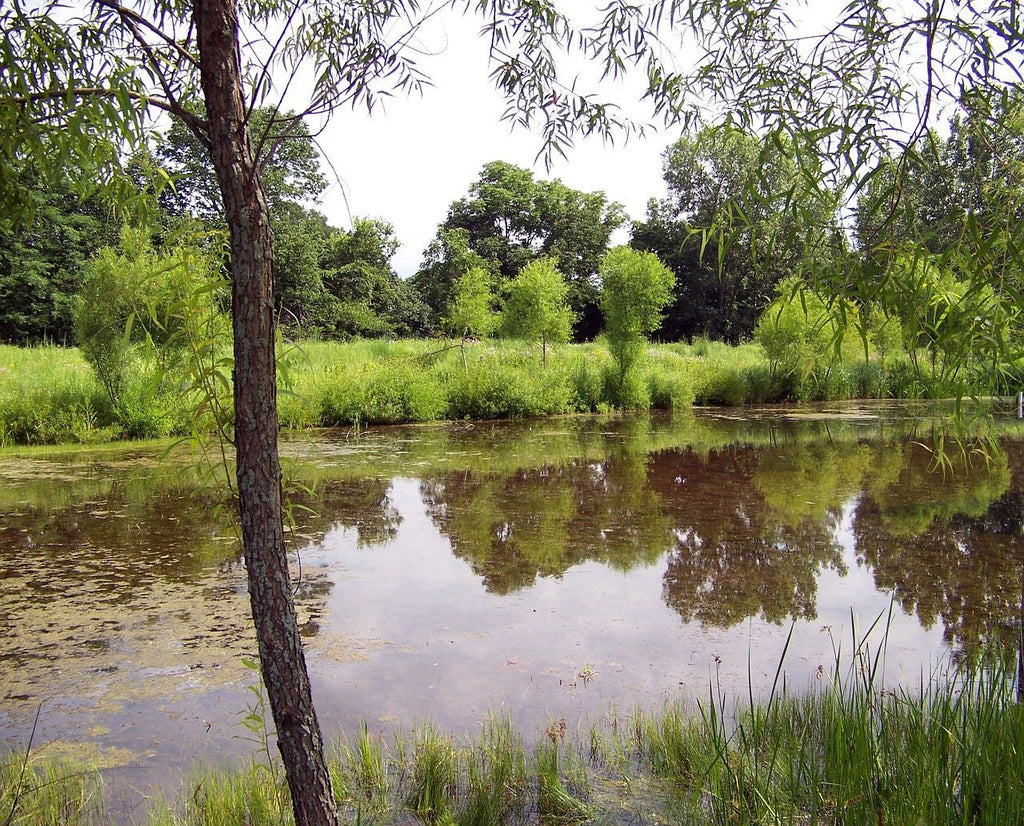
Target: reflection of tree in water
145,569
949,546
541,522
363,505
735,555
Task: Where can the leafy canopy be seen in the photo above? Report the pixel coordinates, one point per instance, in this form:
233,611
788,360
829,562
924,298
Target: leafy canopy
635,288
536,305
509,219
731,228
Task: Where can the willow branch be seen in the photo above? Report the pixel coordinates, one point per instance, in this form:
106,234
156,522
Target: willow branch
134,19
193,121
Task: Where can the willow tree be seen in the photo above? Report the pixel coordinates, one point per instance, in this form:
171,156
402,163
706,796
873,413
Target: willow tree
81,83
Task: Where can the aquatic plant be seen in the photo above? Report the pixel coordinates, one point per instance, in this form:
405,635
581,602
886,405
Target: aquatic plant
848,750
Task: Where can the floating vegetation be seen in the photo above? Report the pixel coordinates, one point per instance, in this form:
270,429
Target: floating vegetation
851,750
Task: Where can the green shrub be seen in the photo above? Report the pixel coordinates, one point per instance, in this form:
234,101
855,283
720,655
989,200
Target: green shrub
761,386
670,380
721,385
630,390
501,385
587,378
868,380
151,326
386,393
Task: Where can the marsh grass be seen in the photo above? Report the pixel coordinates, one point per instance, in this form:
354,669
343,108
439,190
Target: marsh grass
496,788
251,796
48,395
849,750
49,792
435,775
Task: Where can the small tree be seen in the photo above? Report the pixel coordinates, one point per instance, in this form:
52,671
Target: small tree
537,307
470,312
803,334
145,319
636,287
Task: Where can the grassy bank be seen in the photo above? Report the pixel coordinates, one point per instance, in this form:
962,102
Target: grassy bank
848,751
49,395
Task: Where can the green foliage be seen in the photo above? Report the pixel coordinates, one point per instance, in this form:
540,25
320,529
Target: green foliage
509,219
41,261
384,393
152,327
502,385
301,238
44,58
960,323
289,160
636,286
671,381
471,312
536,307
801,333
556,802
445,261
370,299
952,191
48,396
730,230
589,369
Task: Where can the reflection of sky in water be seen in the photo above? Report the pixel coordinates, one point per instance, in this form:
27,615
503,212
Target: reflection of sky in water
444,649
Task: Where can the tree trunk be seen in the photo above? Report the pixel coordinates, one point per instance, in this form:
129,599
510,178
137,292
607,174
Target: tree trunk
255,385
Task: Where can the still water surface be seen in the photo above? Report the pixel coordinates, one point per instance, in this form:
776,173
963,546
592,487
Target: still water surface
551,569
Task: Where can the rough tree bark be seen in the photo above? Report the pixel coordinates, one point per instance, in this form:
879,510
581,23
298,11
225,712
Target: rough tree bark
256,424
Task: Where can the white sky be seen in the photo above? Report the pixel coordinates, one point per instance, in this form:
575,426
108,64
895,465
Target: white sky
410,160
414,156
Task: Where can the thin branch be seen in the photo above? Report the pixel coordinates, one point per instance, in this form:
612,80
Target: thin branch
265,71
136,20
172,107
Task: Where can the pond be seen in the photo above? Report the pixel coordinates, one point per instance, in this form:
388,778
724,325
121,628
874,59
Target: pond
544,570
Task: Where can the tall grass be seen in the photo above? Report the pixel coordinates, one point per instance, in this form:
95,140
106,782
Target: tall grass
850,750
49,395
49,792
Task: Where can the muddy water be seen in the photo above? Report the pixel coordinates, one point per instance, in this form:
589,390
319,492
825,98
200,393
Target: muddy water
545,570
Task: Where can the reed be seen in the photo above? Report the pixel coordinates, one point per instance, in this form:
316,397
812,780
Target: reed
849,749
49,395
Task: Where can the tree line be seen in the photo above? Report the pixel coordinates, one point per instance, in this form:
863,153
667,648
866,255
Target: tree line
728,228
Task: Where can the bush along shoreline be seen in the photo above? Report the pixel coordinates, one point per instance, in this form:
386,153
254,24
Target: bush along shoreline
51,395
848,750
